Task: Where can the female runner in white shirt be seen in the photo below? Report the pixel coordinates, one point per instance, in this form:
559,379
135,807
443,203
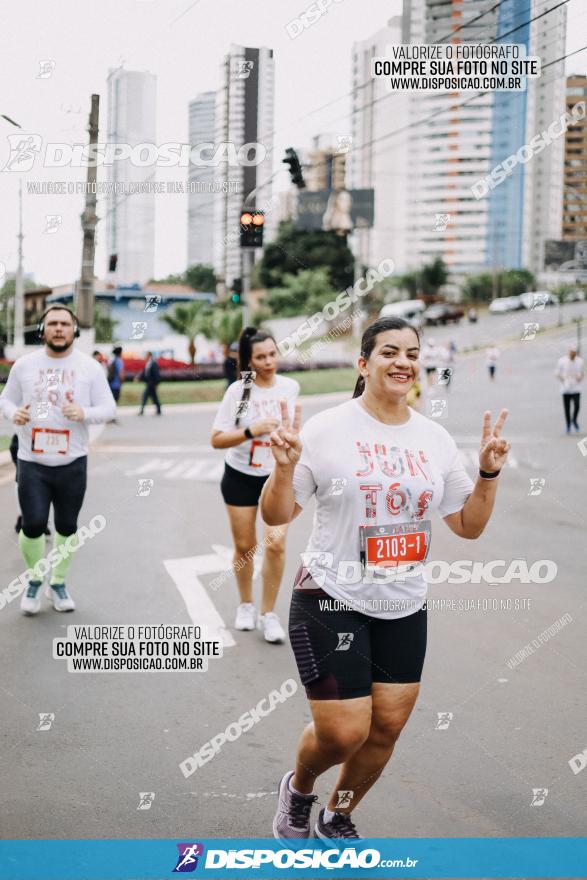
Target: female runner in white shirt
249,411
378,469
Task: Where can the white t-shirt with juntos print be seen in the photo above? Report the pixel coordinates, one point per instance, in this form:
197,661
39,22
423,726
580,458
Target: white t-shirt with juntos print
47,384
254,457
366,473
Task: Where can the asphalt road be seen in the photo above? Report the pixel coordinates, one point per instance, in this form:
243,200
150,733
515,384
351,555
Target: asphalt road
114,736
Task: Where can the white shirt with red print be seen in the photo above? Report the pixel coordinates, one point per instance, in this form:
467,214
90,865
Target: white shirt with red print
47,384
254,457
366,473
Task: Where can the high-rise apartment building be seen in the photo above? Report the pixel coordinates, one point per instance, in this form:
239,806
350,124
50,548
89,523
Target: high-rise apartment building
423,151
376,161
574,221
130,217
202,130
244,116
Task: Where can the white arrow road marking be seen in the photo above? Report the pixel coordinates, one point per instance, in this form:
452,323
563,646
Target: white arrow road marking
201,609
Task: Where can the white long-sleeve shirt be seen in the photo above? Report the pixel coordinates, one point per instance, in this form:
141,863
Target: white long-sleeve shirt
47,384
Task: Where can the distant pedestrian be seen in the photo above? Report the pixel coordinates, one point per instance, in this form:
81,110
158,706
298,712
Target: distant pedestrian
570,372
97,355
446,363
491,359
230,366
429,360
151,376
115,375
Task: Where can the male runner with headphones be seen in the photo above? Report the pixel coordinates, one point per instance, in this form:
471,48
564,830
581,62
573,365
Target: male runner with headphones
358,618
52,396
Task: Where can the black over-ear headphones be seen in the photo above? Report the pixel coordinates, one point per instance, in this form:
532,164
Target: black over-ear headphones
52,308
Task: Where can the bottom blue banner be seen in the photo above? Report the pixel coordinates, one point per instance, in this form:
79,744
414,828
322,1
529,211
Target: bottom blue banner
256,857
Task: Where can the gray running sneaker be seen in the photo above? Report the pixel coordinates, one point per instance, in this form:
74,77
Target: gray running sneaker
61,599
292,819
340,826
30,602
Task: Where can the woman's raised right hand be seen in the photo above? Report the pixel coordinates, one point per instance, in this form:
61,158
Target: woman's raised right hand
286,444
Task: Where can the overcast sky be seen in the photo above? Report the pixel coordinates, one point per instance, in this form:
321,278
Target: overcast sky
182,43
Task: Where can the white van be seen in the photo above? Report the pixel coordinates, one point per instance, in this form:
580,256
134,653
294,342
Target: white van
409,309
537,299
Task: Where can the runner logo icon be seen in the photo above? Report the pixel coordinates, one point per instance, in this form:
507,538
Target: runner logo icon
538,796
344,799
187,859
344,641
444,719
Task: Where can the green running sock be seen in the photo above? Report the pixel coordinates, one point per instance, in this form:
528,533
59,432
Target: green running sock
32,549
61,567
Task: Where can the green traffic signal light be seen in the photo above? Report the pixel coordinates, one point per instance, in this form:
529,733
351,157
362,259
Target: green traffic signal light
236,297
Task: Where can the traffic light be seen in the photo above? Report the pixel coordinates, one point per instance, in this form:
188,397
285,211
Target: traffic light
295,169
112,262
237,289
252,224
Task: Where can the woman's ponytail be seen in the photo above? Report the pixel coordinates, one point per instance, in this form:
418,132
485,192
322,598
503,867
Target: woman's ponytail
359,387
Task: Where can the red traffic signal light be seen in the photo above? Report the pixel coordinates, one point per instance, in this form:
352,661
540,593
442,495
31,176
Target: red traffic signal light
252,225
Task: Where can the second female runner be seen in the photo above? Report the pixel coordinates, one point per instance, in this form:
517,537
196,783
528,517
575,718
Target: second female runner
249,411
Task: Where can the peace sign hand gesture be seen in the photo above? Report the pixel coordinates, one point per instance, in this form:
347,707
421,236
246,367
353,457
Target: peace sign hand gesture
494,449
285,440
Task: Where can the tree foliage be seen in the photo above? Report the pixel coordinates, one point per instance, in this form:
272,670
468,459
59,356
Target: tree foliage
189,320
200,276
508,282
103,325
304,293
297,250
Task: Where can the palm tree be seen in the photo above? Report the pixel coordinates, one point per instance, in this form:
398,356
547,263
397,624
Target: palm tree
189,320
227,325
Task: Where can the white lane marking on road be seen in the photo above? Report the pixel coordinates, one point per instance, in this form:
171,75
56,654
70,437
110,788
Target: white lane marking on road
151,450
203,470
200,607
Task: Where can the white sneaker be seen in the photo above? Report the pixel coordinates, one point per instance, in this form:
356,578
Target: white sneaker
61,599
271,627
31,598
246,616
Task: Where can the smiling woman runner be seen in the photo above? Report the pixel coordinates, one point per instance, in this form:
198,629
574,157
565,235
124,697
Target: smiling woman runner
357,624
250,410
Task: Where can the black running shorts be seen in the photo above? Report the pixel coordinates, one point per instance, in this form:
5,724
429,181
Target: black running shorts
241,490
39,486
340,653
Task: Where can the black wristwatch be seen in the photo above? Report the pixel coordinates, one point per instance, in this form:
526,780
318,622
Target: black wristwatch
248,434
489,475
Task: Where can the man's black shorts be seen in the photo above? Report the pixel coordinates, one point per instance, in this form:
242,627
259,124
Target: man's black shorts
340,653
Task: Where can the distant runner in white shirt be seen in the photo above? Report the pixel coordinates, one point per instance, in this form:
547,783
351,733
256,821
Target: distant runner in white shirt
378,470
429,360
491,359
52,396
570,371
248,413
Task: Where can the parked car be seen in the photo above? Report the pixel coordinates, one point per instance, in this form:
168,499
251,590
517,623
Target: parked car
442,313
409,309
505,304
537,299
575,296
